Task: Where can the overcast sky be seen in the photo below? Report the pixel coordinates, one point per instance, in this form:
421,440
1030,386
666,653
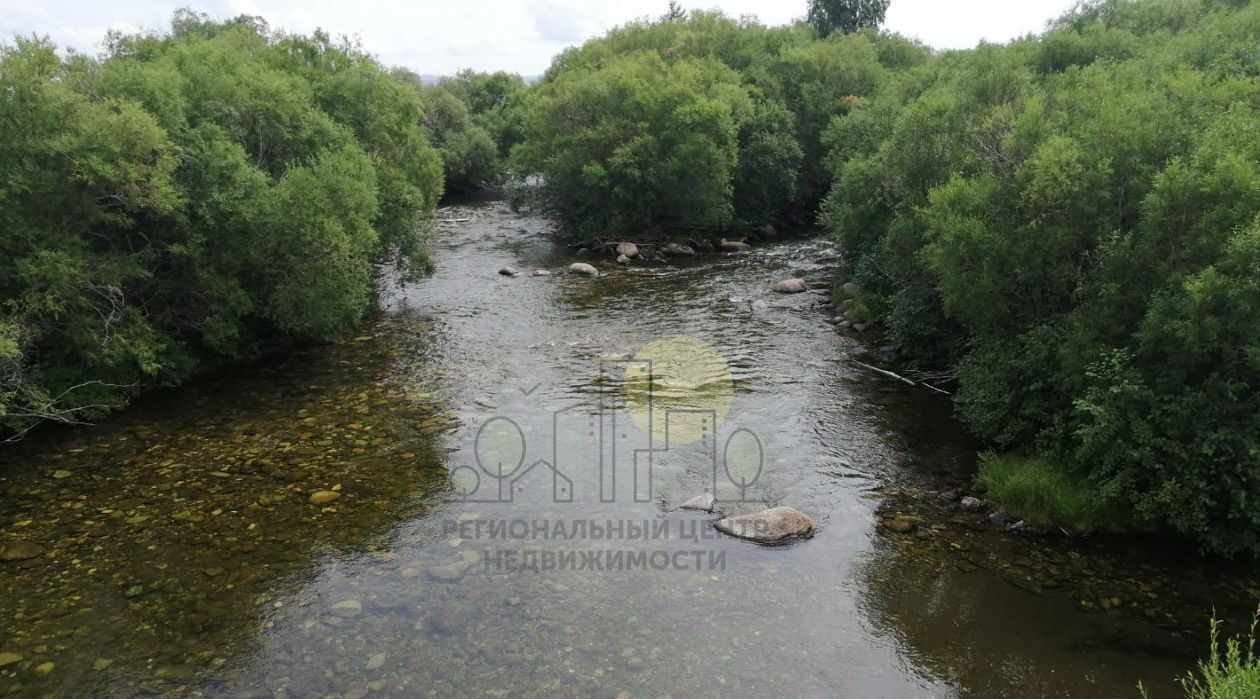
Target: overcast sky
517,35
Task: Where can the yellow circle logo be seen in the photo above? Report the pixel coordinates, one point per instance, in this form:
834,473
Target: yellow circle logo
678,389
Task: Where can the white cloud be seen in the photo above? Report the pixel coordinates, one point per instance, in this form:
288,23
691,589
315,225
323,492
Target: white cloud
442,36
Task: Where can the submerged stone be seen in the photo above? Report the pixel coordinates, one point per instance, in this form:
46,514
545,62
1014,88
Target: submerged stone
349,608
323,497
20,551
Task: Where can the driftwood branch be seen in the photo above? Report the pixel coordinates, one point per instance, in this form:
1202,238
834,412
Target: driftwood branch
901,378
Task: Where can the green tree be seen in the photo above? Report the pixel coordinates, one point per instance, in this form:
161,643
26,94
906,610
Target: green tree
847,16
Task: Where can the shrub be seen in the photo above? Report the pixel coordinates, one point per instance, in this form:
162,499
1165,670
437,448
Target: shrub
1232,674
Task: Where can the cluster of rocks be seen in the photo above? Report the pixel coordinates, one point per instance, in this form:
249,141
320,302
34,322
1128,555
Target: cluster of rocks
771,526
971,504
626,252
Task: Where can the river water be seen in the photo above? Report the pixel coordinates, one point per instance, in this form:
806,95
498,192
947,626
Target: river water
507,518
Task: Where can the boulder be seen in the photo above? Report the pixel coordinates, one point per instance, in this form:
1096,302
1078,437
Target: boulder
760,306
542,273
583,269
851,289
735,246
701,503
627,250
775,526
623,260
678,250
508,271
790,286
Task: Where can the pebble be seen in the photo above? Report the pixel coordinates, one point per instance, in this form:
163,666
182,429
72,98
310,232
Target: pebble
323,497
375,661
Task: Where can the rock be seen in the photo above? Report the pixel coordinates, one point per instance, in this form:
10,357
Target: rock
844,325
859,327
375,661
508,271
901,525
998,519
20,551
451,572
8,658
850,289
583,269
323,497
702,503
60,474
760,306
541,273
735,246
678,250
970,504
948,496
790,286
623,260
773,526
627,250
45,669
349,608
101,664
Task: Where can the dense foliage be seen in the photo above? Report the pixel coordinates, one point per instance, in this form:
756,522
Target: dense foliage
847,16
1070,223
695,123
191,198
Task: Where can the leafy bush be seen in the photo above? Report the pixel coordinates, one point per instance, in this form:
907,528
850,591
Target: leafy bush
639,145
1070,223
192,198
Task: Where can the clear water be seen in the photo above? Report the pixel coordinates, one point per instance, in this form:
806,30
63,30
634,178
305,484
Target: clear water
181,555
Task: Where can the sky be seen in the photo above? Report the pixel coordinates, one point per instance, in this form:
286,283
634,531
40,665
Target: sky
520,36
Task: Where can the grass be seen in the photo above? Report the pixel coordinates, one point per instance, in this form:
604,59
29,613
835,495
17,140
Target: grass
1043,493
1232,674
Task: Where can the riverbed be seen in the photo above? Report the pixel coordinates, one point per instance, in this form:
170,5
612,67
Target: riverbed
499,511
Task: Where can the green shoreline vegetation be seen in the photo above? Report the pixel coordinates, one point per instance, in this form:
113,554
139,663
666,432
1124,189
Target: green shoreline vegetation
210,194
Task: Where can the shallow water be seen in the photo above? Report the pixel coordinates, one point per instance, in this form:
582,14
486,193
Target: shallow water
181,555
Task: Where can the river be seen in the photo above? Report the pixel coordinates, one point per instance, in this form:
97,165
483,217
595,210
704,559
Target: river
506,516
